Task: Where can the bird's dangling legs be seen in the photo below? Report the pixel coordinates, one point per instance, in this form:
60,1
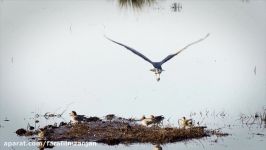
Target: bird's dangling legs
157,73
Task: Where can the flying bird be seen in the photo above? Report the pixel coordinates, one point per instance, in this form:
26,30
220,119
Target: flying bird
158,65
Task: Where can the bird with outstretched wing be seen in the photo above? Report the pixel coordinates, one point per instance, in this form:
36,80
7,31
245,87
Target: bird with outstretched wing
158,65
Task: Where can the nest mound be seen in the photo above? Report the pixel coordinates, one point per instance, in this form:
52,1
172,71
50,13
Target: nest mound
113,133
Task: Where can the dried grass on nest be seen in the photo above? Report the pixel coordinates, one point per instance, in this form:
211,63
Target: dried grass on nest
132,134
113,133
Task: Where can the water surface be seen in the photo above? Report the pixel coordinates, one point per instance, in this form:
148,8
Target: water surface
53,54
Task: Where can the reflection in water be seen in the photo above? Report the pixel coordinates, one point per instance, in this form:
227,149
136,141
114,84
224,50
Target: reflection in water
45,144
263,117
157,147
6,119
259,118
245,1
176,7
135,4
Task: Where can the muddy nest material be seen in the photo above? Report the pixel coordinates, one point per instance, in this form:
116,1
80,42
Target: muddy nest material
113,133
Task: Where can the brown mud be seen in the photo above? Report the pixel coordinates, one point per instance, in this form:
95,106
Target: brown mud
116,132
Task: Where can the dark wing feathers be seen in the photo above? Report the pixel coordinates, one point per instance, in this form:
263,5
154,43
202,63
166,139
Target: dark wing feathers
132,50
166,58
172,55
169,57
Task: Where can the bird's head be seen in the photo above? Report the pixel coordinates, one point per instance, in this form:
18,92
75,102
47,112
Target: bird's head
151,116
143,117
157,73
73,113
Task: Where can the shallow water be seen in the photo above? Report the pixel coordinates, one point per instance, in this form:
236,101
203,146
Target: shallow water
54,57
244,134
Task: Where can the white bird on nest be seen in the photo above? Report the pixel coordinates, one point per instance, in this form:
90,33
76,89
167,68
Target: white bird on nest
185,123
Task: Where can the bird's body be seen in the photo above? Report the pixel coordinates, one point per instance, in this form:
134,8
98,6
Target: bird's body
41,134
158,120
146,121
152,120
185,123
74,118
157,65
110,117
